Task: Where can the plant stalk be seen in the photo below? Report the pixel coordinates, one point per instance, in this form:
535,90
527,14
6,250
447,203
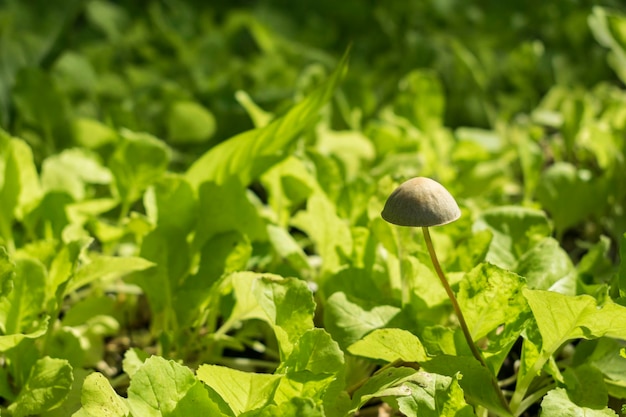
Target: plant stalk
459,313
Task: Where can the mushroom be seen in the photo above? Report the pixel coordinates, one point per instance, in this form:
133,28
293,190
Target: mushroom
423,202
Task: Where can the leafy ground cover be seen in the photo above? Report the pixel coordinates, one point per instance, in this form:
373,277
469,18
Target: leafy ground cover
190,201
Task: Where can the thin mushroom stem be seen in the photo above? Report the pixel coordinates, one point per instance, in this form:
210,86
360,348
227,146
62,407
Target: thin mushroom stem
459,313
452,297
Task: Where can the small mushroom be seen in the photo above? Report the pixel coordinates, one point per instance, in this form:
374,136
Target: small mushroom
420,202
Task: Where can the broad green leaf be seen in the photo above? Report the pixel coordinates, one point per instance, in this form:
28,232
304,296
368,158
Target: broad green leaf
19,183
349,320
301,407
385,383
165,388
49,383
106,268
561,318
314,369
287,248
604,355
585,386
476,381
316,353
569,195
548,267
227,208
249,154
390,345
558,404
597,262
62,267
91,133
42,105
286,304
434,395
288,307
20,311
221,255
71,170
330,233
189,122
134,359
289,183
139,160
12,340
100,400
171,256
171,204
515,230
242,391
490,297
72,403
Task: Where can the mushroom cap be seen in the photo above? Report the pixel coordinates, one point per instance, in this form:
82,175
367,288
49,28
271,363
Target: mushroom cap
420,202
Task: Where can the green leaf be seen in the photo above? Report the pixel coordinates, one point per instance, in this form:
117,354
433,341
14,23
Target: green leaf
106,268
548,267
20,311
390,345
139,160
608,28
134,359
569,195
226,208
189,122
91,133
287,248
585,386
349,320
604,355
249,154
12,340
171,259
286,304
561,318
434,395
19,183
301,407
386,383
490,297
165,388
314,369
515,230
558,404
43,106
242,391
330,233
47,386
99,399
171,204
71,170
476,380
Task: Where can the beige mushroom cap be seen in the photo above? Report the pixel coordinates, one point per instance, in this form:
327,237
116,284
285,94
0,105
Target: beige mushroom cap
420,202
